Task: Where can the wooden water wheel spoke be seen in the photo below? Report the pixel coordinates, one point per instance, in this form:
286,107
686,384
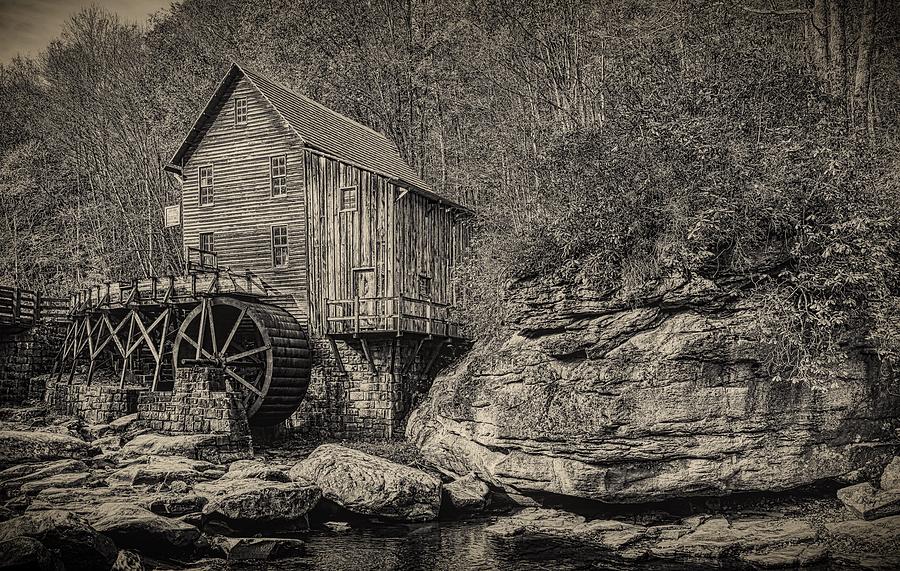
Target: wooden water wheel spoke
203,352
260,346
244,382
247,353
234,329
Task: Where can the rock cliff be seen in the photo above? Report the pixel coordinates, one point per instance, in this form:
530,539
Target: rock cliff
665,398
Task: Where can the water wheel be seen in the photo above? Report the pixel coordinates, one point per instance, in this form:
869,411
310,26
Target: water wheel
259,347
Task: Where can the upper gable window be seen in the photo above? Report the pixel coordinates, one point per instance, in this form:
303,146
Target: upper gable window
349,198
206,185
240,111
278,174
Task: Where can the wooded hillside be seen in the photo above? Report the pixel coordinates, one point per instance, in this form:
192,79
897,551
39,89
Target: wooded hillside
623,141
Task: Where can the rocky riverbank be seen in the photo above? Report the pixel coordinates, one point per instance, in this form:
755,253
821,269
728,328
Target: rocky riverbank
118,497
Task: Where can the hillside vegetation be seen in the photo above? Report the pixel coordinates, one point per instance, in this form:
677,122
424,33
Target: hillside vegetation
623,142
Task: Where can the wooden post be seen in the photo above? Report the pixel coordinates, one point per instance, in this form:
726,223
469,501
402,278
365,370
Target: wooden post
162,346
356,314
202,328
127,358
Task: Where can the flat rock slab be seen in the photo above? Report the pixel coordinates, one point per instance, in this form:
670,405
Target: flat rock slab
717,537
789,556
65,480
210,447
134,527
18,446
79,545
882,532
165,469
369,485
13,478
253,500
605,534
259,548
243,469
84,501
868,502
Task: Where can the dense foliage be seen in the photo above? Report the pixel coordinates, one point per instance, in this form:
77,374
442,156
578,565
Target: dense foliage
622,141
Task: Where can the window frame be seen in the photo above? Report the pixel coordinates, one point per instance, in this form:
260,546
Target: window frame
341,190
272,176
243,102
211,196
286,246
212,250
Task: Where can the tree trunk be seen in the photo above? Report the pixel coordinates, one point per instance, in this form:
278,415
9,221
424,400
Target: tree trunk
837,48
863,74
819,35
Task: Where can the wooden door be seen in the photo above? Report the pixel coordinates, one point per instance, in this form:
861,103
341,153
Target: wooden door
365,288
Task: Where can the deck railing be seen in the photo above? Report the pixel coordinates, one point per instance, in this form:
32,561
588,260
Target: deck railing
398,314
24,308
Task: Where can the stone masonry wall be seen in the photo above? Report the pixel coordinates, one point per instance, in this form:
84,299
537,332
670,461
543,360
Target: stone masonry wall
97,403
23,356
360,403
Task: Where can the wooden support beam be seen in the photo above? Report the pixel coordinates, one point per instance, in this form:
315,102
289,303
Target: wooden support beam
162,346
412,360
127,357
337,355
434,355
368,354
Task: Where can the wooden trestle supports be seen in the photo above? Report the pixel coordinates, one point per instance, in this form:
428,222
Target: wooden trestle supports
95,332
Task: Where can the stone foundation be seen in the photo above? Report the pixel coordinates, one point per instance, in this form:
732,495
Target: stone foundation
97,403
202,402
25,355
357,402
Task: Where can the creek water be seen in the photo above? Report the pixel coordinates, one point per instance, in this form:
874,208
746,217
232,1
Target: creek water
450,546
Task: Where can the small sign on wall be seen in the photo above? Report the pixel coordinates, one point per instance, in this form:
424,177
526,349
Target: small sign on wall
173,216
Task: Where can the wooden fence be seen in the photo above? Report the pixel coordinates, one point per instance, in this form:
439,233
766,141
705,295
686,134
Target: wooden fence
22,309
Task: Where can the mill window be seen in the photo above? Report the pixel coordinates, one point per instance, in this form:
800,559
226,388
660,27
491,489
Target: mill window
207,249
206,185
279,246
278,174
349,196
240,111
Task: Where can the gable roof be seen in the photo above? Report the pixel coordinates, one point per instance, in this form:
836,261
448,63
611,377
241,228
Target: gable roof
319,128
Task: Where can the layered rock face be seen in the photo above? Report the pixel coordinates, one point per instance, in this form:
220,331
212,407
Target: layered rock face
666,398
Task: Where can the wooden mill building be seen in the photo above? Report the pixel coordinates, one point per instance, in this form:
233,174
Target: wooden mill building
339,231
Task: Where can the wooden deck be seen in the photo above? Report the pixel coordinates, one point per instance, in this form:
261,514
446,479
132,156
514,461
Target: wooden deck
397,315
168,290
22,309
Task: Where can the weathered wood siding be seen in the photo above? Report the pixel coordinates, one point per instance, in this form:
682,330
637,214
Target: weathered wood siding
244,211
399,238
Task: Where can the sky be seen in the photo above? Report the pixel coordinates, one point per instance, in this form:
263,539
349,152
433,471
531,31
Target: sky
27,26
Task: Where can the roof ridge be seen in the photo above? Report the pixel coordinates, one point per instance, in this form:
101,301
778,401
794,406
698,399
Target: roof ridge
322,106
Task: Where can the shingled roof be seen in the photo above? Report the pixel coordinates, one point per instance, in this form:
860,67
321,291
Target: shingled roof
319,128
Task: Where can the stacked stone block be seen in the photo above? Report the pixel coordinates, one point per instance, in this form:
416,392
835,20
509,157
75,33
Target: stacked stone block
24,355
201,402
97,403
359,402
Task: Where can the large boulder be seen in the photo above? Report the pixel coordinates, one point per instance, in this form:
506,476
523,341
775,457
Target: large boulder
18,446
868,502
79,545
27,554
133,527
255,501
890,477
467,494
661,398
65,480
369,485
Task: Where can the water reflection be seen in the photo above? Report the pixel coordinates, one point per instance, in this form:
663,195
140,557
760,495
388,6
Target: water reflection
452,546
